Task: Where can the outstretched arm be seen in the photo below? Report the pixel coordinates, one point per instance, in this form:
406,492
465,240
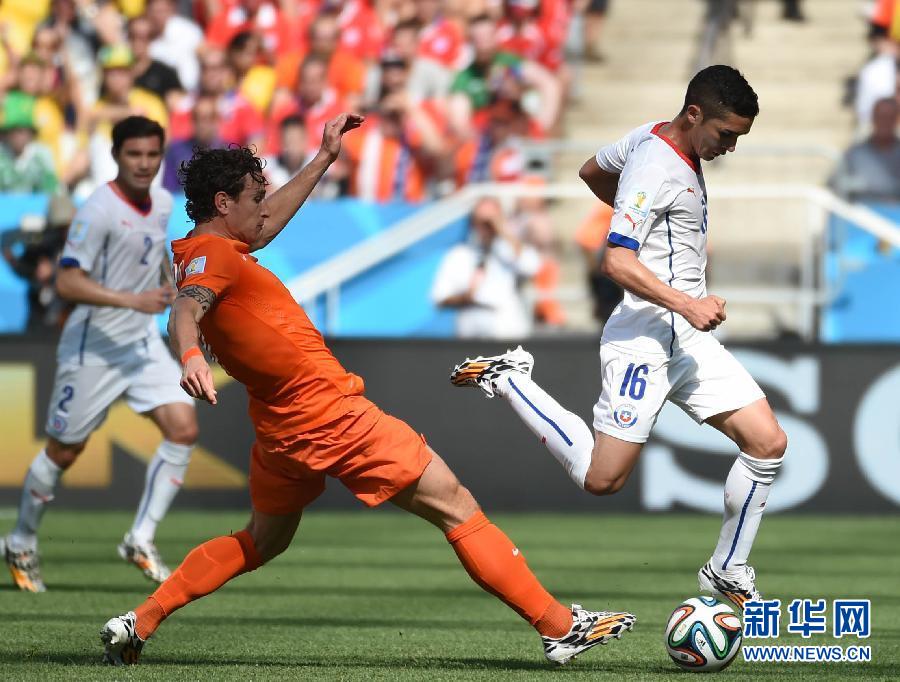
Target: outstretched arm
191,304
285,202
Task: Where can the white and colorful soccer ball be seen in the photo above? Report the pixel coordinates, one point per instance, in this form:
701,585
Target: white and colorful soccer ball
703,634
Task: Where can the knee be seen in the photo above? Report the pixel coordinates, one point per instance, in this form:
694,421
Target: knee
603,486
775,445
268,546
183,432
64,455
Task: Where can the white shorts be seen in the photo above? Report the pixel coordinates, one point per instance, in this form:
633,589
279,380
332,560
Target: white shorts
82,394
703,380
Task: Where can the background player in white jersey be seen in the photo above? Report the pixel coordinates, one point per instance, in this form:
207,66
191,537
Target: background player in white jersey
657,344
115,269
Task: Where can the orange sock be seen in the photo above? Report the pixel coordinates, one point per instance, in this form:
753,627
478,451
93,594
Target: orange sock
499,568
205,569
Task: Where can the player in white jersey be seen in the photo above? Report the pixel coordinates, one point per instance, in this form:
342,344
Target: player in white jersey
657,344
115,269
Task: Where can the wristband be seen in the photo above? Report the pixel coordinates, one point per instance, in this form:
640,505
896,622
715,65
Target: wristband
191,352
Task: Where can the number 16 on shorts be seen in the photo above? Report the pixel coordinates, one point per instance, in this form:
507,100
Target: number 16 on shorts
629,400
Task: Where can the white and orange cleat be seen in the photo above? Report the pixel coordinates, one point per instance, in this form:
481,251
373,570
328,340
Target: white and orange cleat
146,557
24,567
589,628
484,372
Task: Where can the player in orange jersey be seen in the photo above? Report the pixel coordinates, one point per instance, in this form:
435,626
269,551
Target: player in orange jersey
310,415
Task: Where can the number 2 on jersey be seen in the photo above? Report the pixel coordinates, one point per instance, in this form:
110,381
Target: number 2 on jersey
148,245
634,383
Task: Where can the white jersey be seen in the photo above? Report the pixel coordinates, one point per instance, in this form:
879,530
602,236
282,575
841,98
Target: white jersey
661,213
122,247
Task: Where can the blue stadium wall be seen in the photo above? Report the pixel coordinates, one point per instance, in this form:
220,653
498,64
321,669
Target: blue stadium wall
322,230
838,405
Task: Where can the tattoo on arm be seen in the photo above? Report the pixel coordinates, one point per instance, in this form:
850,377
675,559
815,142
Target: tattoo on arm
205,297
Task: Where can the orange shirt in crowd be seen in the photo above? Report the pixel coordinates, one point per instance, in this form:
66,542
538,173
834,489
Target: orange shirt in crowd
346,73
262,337
382,169
593,231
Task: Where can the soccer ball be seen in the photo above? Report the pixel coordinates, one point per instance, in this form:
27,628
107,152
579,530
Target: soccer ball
703,635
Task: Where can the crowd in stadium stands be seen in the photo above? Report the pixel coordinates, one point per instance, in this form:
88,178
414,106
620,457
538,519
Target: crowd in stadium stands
870,169
448,86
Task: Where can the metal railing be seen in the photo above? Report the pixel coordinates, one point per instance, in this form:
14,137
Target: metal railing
811,292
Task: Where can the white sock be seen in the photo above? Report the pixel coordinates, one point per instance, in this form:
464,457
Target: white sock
165,474
565,434
746,492
37,492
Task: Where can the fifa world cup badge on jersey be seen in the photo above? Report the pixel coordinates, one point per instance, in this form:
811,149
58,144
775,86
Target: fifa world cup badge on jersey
77,232
639,204
196,266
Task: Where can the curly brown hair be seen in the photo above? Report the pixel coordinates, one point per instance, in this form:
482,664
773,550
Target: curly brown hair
216,170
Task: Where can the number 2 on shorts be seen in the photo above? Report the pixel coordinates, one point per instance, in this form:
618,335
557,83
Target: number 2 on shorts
634,383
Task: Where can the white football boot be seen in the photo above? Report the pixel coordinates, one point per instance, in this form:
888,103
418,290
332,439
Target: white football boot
121,645
146,557
485,372
589,628
736,588
24,567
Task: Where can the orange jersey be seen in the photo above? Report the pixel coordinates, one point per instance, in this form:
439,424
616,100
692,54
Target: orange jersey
263,338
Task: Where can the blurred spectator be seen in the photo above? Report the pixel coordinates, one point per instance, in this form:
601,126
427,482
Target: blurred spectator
397,152
481,278
205,117
313,100
293,152
521,32
346,73
531,222
594,17
279,25
495,155
870,170
440,48
119,98
151,74
591,238
176,40
361,33
35,78
239,121
492,71
255,79
32,252
77,54
26,165
877,79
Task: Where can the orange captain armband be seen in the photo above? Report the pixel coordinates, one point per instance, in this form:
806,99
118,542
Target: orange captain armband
191,352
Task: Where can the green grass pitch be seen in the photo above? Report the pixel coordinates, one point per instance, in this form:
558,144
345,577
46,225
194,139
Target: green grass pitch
379,595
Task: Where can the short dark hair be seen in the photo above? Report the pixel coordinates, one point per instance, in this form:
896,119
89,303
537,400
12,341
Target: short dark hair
136,126
292,120
216,170
719,90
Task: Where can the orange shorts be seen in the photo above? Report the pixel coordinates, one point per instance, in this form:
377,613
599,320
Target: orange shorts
372,453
